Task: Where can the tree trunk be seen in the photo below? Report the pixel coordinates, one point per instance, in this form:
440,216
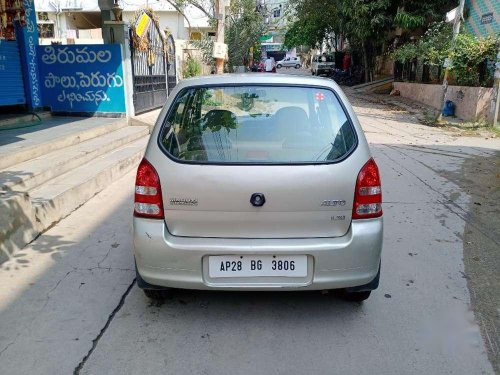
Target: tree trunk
365,63
220,14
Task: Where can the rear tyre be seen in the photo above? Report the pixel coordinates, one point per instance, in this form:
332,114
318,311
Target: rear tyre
356,296
297,66
362,292
154,292
157,295
278,66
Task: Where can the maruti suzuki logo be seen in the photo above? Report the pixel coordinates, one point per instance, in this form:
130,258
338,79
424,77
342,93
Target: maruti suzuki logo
183,202
333,202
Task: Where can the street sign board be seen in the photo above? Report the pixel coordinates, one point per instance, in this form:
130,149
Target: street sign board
84,78
220,50
142,24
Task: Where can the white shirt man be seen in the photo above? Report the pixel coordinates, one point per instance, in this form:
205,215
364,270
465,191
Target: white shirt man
268,65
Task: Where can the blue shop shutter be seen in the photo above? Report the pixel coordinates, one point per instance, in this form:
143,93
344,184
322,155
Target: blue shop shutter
11,79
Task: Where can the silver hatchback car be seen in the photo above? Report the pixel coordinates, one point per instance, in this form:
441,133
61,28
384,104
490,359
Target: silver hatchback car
254,182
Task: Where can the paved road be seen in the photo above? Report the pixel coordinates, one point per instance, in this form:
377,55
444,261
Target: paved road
293,71
68,303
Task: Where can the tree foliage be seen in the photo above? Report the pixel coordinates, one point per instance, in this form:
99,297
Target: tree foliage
468,53
406,53
408,20
206,47
435,43
206,6
192,68
310,26
432,49
364,23
244,26
412,14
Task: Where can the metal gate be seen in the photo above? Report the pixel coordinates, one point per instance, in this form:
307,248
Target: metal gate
149,69
171,66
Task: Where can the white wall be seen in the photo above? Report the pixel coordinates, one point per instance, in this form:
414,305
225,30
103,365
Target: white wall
65,22
171,20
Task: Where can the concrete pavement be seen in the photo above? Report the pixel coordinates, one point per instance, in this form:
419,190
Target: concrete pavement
58,293
50,169
68,303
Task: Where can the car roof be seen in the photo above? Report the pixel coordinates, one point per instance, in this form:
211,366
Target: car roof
259,79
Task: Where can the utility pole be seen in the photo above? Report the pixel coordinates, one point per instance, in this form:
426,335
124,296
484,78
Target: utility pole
456,29
497,85
220,13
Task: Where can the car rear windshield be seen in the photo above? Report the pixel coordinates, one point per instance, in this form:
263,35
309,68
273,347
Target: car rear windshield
257,124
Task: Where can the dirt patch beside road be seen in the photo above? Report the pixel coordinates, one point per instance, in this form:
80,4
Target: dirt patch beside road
480,178
399,122
424,115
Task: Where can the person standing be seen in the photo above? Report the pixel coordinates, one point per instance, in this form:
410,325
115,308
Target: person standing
268,65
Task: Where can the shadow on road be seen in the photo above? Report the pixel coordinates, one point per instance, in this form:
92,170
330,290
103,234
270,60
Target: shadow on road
407,324
226,299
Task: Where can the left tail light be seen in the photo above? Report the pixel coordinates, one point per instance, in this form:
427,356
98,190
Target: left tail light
148,201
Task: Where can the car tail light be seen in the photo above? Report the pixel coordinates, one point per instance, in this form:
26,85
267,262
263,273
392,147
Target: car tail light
148,201
368,194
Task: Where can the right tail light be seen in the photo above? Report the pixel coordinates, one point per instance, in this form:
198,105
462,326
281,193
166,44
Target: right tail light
368,194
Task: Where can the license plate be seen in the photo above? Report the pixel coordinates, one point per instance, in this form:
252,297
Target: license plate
257,265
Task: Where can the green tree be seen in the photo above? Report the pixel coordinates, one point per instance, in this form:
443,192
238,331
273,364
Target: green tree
244,26
468,54
365,24
310,26
435,44
192,68
206,6
412,14
432,48
406,52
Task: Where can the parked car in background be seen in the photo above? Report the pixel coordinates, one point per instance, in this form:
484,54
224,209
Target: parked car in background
214,208
289,62
322,65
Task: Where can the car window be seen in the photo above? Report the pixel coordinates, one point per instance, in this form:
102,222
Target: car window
257,124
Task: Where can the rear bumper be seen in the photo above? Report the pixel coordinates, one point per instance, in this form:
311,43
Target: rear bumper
182,262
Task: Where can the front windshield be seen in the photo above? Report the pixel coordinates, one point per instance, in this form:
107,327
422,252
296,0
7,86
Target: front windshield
264,124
